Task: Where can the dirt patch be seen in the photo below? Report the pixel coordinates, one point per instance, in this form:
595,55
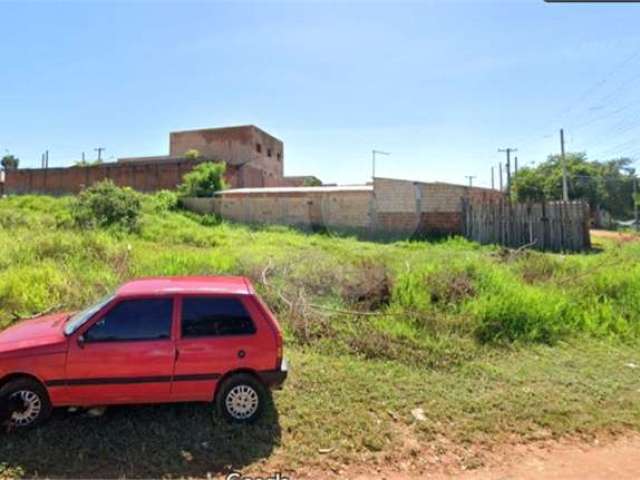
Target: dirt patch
621,237
569,459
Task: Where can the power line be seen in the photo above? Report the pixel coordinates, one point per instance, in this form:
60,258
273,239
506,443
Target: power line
592,89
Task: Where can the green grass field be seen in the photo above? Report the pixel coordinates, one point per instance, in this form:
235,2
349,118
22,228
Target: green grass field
494,346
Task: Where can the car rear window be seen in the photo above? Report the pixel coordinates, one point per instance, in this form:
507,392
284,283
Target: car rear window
134,320
215,317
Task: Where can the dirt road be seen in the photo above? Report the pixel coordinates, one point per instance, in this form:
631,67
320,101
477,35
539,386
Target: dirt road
619,460
566,460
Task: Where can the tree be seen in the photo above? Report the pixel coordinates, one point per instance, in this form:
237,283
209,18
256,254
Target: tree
192,154
88,163
9,162
607,184
311,181
204,180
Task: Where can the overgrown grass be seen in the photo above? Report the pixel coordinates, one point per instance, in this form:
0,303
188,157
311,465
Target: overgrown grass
491,344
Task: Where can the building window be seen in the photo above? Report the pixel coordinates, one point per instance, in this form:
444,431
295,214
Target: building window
268,152
258,148
279,156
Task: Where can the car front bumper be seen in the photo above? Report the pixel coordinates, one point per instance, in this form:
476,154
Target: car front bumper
275,378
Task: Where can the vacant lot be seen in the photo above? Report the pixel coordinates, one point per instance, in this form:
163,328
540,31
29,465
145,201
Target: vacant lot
492,346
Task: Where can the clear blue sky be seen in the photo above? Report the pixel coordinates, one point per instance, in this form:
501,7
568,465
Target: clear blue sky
441,85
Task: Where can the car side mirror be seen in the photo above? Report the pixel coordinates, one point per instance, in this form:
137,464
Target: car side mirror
81,341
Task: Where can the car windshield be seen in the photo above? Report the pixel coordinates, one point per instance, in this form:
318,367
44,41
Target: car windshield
79,319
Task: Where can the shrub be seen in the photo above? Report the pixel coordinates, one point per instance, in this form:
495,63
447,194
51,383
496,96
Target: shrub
161,202
311,182
106,205
204,180
450,287
523,314
368,286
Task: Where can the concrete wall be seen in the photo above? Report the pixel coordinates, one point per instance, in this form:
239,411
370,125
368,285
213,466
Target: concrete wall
389,207
341,210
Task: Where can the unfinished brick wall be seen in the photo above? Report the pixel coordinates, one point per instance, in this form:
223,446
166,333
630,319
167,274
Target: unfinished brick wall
144,177
423,208
244,145
388,208
342,209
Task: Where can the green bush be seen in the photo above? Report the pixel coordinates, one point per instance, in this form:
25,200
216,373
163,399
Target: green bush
106,205
160,202
204,180
526,314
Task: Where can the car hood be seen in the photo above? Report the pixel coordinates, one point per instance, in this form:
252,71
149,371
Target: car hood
38,335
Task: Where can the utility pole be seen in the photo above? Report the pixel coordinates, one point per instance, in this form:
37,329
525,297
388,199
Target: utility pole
100,150
493,183
373,161
500,167
83,159
635,203
508,151
515,161
470,177
565,187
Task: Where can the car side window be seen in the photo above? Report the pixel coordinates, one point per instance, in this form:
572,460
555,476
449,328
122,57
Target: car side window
215,317
134,320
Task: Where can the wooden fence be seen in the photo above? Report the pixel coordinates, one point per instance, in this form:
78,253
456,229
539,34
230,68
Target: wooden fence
554,226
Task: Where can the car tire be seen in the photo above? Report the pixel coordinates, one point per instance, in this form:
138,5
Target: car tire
241,398
37,406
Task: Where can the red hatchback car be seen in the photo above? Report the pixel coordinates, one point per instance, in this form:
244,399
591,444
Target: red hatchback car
155,340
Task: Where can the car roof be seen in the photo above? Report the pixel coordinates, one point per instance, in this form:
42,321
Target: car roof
187,285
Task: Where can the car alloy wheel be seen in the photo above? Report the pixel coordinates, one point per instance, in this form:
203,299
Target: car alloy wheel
242,402
30,411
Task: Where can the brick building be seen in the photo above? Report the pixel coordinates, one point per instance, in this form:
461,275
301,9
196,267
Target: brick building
254,159
246,147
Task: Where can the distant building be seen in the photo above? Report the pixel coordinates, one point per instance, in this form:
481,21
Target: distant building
254,159
242,146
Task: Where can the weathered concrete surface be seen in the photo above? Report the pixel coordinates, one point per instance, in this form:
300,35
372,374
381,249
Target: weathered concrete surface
388,207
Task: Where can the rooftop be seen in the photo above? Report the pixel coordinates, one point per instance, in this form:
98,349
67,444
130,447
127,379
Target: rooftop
187,285
323,189
237,128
